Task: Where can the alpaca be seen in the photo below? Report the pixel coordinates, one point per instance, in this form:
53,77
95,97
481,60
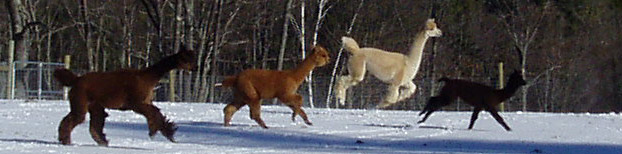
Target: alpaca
252,85
125,89
480,96
395,69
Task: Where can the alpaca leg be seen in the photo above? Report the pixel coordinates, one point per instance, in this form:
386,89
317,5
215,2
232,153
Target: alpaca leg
294,102
156,121
71,120
410,89
343,83
255,112
230,109
391,98
429,108
434,104
251,97
498,118
474,116
98,117
356,67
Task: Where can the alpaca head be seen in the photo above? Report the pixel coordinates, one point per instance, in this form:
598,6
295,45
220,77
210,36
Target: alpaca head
431,29
320,56
186,59
517,78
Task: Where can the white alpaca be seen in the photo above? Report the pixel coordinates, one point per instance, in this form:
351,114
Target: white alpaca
393,68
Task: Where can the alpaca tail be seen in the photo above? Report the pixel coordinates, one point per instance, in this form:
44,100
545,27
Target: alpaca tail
65,77
228,82
350,45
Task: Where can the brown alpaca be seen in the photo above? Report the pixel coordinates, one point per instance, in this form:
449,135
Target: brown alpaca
125,89
480,96
252,85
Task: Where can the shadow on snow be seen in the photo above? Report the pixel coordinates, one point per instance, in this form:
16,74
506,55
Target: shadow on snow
212,133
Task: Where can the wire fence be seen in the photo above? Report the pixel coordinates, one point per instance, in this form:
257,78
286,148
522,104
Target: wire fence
34,80
30,80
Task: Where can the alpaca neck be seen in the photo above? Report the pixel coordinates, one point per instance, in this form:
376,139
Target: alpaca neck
302,70
416,51
161,68
509,90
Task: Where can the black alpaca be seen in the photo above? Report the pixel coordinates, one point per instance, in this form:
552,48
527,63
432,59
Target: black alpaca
480,96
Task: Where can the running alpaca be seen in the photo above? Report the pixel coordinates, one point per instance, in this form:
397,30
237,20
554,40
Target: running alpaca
250,86
481,97
396,69
125,89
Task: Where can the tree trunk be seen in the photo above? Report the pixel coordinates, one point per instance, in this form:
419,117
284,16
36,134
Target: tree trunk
128,23
286,16
84,11
18,19
320,16
206,35
216,52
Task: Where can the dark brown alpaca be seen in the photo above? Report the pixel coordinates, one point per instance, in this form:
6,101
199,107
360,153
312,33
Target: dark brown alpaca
480,96
252,85
125,89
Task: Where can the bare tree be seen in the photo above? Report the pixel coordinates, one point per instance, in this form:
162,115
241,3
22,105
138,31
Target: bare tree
127,22
86,31
334,72
204,58
286,17
19,28
154,11
215,49
522,24
322,11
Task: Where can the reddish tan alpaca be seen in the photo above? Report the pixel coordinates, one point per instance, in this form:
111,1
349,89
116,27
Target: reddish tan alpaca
252,85
480,96
125,89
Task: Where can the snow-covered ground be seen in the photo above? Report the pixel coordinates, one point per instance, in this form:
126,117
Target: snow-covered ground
31,127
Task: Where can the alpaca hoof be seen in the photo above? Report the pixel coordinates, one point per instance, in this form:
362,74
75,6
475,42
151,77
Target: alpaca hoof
152,134
171,138
169,130
309,123
342,102
65,141
293,117
383,105
418,122
103,143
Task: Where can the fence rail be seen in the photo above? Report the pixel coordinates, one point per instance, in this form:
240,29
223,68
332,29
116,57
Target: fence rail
31,80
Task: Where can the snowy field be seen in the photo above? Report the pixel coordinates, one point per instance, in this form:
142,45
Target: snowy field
30,127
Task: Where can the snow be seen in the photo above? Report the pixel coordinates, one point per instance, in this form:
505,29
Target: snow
31,127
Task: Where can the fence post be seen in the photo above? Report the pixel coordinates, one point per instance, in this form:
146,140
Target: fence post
502,105
10,79
40,81
171,86
67,62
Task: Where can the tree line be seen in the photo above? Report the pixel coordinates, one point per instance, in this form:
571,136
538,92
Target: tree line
569,50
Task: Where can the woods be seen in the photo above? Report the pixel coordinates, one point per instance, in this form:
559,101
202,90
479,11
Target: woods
569,50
